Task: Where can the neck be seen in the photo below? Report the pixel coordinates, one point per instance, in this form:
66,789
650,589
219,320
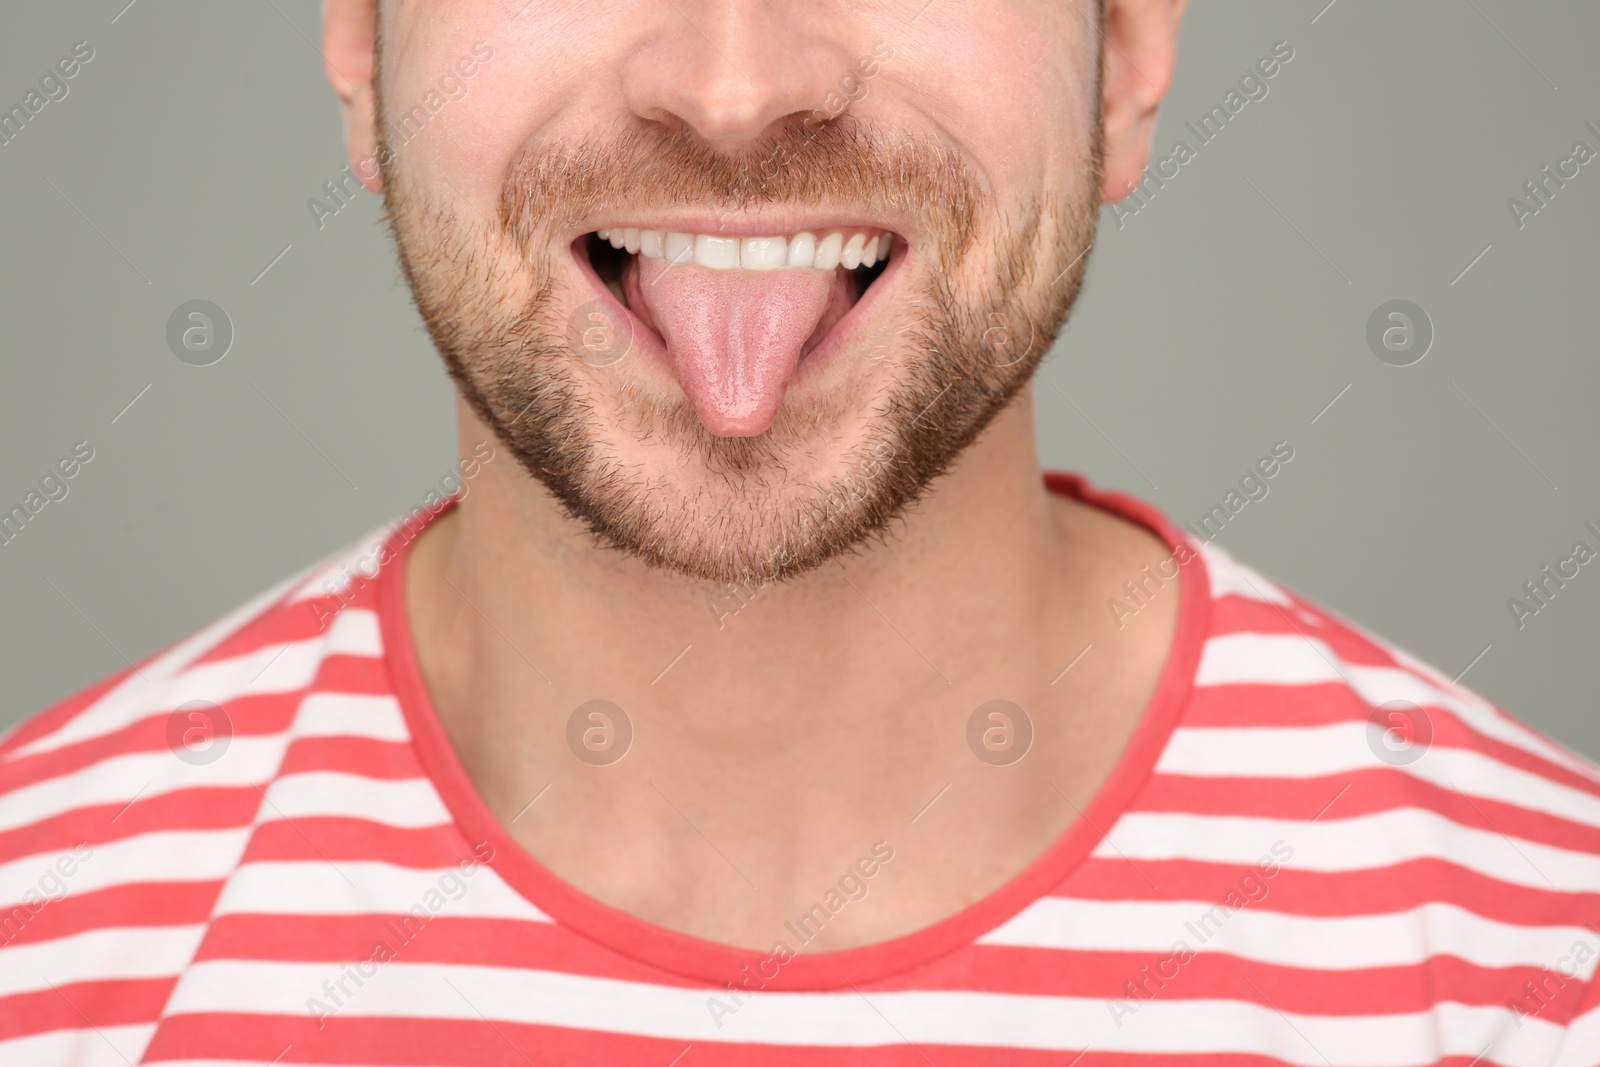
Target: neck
831,707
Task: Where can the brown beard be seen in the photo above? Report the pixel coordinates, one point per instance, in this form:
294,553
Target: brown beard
994,290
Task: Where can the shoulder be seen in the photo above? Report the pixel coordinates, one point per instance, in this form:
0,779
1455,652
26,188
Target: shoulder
1401,817
155,772
125,809
1287,690
1266,638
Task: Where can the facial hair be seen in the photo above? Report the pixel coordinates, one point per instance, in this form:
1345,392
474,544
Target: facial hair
992,285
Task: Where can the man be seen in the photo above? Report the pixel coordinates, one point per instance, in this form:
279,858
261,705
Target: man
753,699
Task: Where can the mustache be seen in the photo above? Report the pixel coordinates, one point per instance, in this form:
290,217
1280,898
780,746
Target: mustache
552,187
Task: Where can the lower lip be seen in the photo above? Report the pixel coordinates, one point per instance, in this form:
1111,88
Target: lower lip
843,332
855,320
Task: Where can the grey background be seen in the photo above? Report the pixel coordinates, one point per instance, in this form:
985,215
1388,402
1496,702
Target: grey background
1223,317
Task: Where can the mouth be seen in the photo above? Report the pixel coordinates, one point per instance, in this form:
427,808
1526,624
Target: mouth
736,317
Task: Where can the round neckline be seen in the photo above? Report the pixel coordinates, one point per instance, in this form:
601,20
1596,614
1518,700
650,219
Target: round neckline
719,964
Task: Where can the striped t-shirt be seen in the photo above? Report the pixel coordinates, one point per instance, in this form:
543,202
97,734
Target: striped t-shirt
259,847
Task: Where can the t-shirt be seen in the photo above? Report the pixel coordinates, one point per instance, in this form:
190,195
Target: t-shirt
258,846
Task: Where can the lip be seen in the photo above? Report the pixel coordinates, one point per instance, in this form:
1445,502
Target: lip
856,319
779,222
843,332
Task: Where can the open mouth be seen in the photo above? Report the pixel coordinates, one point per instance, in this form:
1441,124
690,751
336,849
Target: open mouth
853,250
736,316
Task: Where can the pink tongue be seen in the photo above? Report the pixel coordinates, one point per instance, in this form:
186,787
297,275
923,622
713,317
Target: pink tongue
735,336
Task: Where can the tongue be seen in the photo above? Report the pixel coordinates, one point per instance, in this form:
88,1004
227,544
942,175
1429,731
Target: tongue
736,336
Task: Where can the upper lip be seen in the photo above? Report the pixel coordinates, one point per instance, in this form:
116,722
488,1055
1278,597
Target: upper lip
770,222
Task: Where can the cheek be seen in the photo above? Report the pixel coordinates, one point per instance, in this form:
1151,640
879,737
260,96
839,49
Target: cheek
1009,86
523,83
477,137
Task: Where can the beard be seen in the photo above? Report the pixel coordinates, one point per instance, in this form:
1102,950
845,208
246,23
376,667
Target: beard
988,289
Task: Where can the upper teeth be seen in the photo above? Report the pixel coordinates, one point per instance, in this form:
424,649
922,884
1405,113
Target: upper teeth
825,251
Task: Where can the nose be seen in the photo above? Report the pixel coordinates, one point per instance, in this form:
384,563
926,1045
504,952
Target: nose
733,70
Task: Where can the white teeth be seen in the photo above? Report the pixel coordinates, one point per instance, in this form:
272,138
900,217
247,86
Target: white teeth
802,250
828,251
762,253
850,258
721,253
678,248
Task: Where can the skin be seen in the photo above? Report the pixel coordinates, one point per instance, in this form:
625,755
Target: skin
825,713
